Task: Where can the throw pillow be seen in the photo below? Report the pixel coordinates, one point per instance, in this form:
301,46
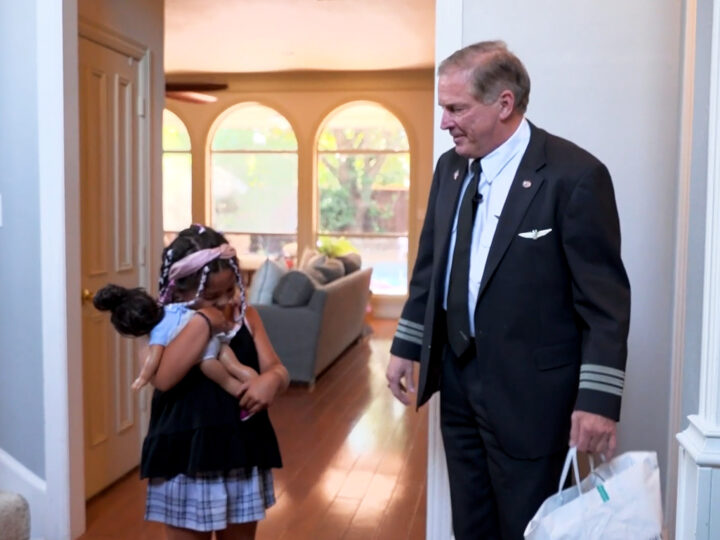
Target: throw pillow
307,255
264,282
294,289
324,269
351,261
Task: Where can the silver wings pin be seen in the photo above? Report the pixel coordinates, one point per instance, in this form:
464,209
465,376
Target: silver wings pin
534,234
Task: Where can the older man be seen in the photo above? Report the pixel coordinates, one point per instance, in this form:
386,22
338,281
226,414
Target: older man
519,303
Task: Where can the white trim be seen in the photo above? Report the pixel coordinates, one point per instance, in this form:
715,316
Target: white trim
710,356
448,38
102,35
126,46
699,463
63,512
699,459
702,441
681,258
16,478
439,518
144,206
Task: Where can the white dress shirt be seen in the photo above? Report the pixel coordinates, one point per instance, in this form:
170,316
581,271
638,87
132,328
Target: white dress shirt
498,171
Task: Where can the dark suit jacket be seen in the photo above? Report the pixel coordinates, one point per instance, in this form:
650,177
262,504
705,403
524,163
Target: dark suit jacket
552,315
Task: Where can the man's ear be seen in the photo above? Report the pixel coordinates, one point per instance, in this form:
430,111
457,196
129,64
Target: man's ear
506,100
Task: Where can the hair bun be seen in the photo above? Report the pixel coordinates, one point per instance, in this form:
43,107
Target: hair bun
110,297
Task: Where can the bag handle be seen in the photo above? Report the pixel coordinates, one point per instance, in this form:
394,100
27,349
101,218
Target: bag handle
591,459
571,458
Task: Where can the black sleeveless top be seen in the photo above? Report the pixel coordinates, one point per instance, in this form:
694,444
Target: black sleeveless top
195,426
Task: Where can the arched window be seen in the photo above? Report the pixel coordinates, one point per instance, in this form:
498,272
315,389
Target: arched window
363,168
254,180
177,175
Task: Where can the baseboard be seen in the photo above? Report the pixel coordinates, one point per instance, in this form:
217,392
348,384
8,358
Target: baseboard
387,307
17,478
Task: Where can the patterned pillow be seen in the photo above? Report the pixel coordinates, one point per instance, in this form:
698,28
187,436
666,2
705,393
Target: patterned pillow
264,282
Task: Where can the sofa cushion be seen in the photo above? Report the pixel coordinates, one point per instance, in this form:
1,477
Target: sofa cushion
264,282
324,269
294,289
351,261
307,254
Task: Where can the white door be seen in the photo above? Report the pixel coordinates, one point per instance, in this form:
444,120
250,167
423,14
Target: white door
109,223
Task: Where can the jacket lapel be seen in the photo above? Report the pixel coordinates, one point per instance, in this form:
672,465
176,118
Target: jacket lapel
447,204
525,186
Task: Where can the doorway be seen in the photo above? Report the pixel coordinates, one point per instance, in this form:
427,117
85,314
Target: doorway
112,182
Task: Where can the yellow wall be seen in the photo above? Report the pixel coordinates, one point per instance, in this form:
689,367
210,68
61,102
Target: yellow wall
305,99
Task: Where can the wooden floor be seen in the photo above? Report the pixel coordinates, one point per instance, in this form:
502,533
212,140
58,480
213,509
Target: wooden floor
354,461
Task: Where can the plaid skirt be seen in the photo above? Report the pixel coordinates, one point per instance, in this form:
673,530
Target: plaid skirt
210,501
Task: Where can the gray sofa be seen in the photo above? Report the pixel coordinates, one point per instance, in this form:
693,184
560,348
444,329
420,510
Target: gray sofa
309,338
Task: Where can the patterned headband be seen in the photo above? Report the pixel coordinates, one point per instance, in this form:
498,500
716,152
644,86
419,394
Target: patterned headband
195,261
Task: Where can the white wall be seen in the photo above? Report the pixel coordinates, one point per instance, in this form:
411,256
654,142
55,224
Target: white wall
21,374
697,211
607,76
41,434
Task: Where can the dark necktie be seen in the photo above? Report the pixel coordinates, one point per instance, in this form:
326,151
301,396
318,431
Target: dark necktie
458,320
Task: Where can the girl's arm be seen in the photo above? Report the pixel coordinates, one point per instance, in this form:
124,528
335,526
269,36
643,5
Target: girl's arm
150,367
237,369
186,349
273,379
217,373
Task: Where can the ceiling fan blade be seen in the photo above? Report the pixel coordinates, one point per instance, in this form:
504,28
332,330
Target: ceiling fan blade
190,97
194,86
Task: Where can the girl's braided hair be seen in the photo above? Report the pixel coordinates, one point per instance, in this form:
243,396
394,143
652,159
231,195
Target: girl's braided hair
188,241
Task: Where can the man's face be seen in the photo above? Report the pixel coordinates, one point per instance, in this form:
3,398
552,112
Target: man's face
473,125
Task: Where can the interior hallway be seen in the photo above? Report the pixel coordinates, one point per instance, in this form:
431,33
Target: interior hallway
354,461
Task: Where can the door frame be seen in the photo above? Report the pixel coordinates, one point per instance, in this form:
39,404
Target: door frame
111,40
62,495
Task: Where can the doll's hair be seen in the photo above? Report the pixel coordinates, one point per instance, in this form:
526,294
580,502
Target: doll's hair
187,242
133,311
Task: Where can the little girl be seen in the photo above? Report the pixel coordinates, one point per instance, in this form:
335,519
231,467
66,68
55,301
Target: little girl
136,313
207,470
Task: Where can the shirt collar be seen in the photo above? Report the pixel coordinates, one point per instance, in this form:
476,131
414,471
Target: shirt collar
494,163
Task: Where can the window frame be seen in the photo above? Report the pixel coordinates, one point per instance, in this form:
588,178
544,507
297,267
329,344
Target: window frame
210,152
317,232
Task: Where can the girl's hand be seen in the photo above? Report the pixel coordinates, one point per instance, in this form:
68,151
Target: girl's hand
259,392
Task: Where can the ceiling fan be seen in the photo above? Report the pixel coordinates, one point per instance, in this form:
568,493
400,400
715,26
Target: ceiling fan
193,92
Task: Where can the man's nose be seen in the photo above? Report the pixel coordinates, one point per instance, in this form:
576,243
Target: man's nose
445,121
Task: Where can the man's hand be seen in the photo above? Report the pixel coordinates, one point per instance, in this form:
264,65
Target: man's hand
401,378
593,433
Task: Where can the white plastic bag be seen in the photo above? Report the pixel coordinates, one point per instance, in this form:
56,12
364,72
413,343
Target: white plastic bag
619,500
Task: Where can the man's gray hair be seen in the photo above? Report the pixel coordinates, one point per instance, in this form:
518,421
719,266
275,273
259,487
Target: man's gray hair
493,69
